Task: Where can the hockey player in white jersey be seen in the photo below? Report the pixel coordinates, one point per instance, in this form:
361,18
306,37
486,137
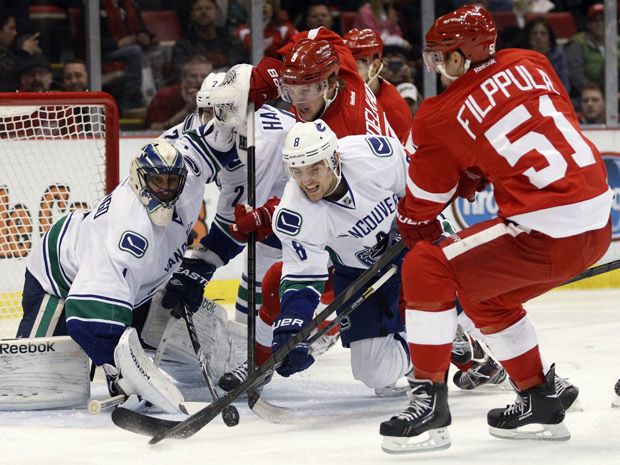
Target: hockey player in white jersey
340,204
271,126
96,271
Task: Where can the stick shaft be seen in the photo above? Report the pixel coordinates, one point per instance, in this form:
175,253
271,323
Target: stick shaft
96,406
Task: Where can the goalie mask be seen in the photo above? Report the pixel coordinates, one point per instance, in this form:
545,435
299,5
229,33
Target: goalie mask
309,143
157,176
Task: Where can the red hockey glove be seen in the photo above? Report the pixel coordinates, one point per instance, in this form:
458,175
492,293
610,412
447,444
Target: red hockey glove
254,221
412,232
264,81
472,180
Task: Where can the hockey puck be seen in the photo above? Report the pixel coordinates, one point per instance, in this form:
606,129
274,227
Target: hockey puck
230,415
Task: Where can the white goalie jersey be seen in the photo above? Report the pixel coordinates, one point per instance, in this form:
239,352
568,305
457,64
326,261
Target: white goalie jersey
353,231
110,260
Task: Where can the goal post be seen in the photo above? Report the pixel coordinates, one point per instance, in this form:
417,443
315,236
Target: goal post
59,151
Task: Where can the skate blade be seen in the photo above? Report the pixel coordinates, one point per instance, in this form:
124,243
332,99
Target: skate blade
536,431
438,439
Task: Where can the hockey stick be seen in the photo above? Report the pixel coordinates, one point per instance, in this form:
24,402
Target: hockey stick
160,429
96,406
259,406
230,414
594,271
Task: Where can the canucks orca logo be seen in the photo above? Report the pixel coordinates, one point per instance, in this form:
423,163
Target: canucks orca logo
320,127
482,208
288,222
380,146
133,243
612,163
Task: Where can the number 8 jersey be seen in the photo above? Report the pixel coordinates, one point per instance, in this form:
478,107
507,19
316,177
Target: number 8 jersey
512,118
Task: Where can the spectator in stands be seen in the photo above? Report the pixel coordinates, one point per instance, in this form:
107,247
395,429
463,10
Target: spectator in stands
318,14
12,55
75,76
410,93
277,31
592,105
125,38
205,38
585,54
539,37
173,103
396,68
35,75
381,17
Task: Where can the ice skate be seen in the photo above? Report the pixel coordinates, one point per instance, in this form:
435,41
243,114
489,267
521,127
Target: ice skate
462,348
536,414
486,371
233,379
428,412
567,392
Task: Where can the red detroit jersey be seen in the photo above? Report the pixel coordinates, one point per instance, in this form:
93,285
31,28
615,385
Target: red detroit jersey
512,118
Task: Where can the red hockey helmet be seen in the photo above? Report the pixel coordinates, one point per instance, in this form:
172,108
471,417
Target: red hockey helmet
470,29
364,43
309,61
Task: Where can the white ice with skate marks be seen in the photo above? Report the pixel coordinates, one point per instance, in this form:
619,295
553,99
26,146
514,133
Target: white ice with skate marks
336,419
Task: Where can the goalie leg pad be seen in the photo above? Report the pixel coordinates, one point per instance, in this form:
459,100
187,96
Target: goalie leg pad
43,373
222,341
156,321
140,376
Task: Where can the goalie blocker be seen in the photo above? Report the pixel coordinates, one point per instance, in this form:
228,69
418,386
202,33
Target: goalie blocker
43,373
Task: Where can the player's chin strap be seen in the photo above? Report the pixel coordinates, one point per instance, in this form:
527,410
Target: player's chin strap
442,69
374,76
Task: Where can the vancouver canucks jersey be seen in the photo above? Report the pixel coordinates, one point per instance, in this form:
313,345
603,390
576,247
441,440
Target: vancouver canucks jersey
110,260
353,231
271,126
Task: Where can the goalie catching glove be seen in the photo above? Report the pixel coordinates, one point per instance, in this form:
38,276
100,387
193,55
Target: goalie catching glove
187,285
248,221
298,359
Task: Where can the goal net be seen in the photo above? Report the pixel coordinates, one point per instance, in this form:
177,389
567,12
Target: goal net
58,153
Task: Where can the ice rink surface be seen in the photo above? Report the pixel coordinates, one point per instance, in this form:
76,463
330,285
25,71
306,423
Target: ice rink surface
335,420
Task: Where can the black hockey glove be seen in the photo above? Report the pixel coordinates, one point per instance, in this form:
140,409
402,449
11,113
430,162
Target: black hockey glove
298,359
187,285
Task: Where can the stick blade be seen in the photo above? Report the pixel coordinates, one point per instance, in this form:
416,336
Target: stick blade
267,411
138,423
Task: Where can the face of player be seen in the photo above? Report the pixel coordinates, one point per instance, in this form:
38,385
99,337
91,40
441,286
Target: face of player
454,66
164,187
309,99
367,67
75,78
316,180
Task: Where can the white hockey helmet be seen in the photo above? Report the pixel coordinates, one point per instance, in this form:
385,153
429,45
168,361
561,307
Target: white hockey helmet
157,176
202,96
308,143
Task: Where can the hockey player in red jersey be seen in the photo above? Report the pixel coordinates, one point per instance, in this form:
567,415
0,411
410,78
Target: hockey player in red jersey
318,76
505,119
367,49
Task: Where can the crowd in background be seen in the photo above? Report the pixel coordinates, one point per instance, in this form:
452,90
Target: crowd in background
156,83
